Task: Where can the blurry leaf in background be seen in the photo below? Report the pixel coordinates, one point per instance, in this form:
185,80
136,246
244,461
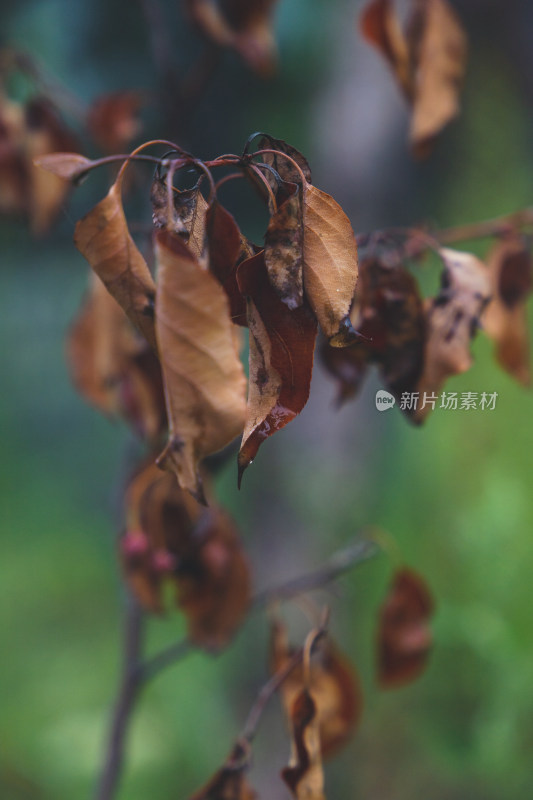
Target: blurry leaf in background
428,61
204,378
244,25
114,368
404,636
505,318
113,120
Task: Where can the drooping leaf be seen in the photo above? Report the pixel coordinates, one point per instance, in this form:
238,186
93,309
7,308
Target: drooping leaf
113,367
428,61
505,318
227,248
229,782
102,236
204,379
284,241
305,776
452,321
113,120
329,263
438,46
244,25
334,686
404,634
281,358
283,166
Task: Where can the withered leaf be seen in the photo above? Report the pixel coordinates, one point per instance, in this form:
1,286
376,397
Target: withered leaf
281,358
284,241
329,262
102,236
244,25
438,47
305,776
227,248
113,120
45,133
113,367
452,320
505,318
334,685
14,176
69,166
185,214
348,365
173,539
428,61
229,782
204,379
404,635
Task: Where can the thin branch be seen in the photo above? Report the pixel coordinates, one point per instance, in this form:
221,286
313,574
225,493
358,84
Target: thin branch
336,565
130,685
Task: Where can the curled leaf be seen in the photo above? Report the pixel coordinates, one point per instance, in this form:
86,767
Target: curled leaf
284,167
204,378
404,634
183,213
305,776
505,318
334,686
281,358
284,249
102,236
452,320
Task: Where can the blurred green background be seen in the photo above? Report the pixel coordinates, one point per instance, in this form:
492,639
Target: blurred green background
456,495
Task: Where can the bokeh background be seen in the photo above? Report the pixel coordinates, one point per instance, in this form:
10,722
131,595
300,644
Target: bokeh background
455,496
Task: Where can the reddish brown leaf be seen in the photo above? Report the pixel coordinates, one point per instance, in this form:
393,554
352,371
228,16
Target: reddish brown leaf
102,236
505,319
334,686
404,635
113,120
227,248
452,320
229,782
204,378
281,358
112,367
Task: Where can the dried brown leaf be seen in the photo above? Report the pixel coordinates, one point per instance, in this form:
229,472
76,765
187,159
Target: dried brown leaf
204,379
334,686
227,248
380,27
229,782
281,358
14,176
505,318
284,241
69,166
185,214
329,262
112,366
102,236
404,634
305,776
452,321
